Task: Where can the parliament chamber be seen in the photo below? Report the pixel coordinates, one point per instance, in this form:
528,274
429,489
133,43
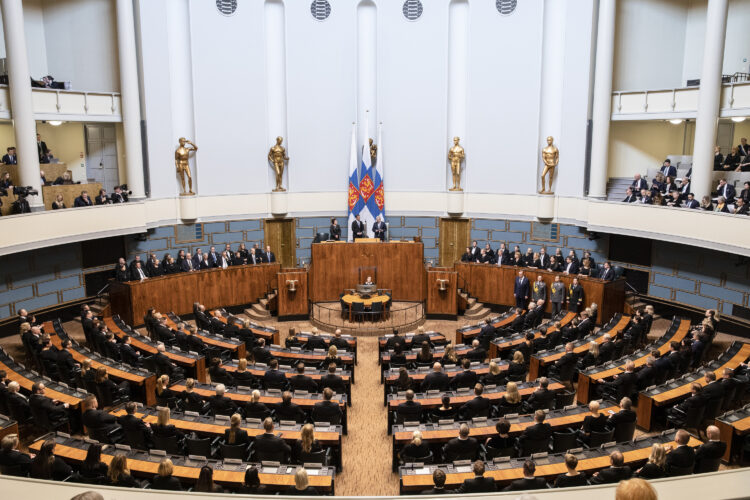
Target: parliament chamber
209,288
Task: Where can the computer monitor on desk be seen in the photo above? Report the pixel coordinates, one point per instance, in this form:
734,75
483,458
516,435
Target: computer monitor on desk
372,288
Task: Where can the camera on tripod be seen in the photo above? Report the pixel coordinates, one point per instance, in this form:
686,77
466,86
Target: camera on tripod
124,188
24,191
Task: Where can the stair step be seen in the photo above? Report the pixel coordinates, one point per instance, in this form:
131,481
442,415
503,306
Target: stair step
254,315
478,314
263,302
260,308
471,301
476,306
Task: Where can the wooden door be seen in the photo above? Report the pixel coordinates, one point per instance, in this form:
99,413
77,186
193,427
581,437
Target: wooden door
455,236
280,236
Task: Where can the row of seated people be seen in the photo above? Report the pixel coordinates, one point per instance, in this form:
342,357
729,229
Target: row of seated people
479,406
92,470
569,264
737,160
185,262
663,461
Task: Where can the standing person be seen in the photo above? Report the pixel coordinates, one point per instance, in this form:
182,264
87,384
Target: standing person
557,295
575,296
335,230
521,290
378,229
358,228
539,291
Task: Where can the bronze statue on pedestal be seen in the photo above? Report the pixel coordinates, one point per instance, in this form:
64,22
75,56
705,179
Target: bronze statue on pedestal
277,156
181,157
456,155
550,157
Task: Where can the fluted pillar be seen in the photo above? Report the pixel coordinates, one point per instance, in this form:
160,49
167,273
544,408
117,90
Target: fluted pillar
602,113
709,98
24,125
129,97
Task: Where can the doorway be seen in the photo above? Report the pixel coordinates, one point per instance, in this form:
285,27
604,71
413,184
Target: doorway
101,155
455,235
279,234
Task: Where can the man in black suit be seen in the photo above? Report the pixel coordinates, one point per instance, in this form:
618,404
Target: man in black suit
358,229
479,483
521,290
606,348
42,149
33,339
615,473
538,431
213,257
289,410
713,389
165,365
646,376
83,200
138,273
419,337
678,413
626,415
119,196
315,341
607,273
682,456
102,198
186,264
66,365
18,404
268,442
10,157
261,354
667,169
638,184
409,410
564,367
202,321
39,402
220,404
333,381
302,382
623,384
268,256
163,333
529,482
438,478
436,379
477,407
531,317
541,399
726,190
390,344
463,446
273,378
729,383
21,462
486,335
326,410
517,323
570,266
477,352
378,229
131,423
467,378
630,197
712,449
95,419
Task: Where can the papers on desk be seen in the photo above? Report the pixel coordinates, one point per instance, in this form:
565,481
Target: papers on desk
423,470
313,472
463,469
271,470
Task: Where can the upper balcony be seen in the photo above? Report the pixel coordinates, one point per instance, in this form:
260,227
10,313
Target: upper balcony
67,105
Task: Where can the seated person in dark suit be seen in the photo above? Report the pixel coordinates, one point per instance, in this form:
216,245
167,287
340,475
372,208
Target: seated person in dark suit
656,466
242,376
269,443
45,465
94,418
529,482
220,404
235,435
274,378
572,477
625,416
477,407
165,365
306,444
11,459
712,449
289,410
537,432
39,402
463,447
495,376
332,380
83,200
615,473
163,427
712,390
191,400
438,478
517,323
477,353
623,384
420,337
593,422
131,423
392,342
436,379
254,408
517,368
541,399
416,450
327,410
398,358
479,483
678,412
302,382
682,456
128,354
503,439
409,410
564,368
467,378
218,373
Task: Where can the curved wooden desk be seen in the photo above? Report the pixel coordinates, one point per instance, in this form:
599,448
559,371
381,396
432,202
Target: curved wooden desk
350,299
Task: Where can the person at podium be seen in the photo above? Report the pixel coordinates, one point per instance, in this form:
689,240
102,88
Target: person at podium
358,229
368,281
378,229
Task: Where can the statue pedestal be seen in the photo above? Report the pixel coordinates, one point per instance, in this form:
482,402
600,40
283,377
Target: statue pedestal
189,207
278,203
455,202
545,206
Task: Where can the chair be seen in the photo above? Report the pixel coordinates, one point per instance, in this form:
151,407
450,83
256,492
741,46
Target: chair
269,456
712,408
729,397
201,447
377,310
111,436
691,419
238,451
707,465
596,438
564,398
358,310
563,441
491,453
42,420
170,444
315,457
679,471
14,470
624,432
136,439
529,446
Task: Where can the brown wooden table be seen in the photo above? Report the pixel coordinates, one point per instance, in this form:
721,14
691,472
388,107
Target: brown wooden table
585,382
499,346
238,350
26,384
493,284
646,403
536,364
10,428
270,337
729,431
235,285
463,335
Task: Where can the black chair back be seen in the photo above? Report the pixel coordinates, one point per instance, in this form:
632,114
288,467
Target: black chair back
136,439
14,470
170,444
624,432
313,457
270,456
708,465
199,447
597,439
713,407
238,451
694,417
508,451
564,398
680,471
563,441
530,446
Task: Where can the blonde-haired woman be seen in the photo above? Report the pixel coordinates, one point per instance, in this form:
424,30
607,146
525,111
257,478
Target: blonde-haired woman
517,368
635,489
235,435
655,467
163,392
332,357
306,444
416,449
163,427
241,375
449,355
302,484
119,474
511,400
164,480
591,357
495,376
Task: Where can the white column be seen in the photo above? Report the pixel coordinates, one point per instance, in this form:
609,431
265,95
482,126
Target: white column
274,13
458,61
709,98
367,68
20,98
553,74
181,77
605,55
131,106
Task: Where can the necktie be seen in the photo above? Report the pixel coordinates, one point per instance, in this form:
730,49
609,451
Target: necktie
140,271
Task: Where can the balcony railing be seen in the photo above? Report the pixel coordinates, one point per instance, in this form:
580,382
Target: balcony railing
68,105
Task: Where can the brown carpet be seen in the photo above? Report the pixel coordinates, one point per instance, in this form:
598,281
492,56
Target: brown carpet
367,447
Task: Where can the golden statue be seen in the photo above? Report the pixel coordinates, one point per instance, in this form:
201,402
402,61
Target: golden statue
550,157
456,155
277,156
373,152
181,157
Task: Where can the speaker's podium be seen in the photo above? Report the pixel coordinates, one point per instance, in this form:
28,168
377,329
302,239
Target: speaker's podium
367,289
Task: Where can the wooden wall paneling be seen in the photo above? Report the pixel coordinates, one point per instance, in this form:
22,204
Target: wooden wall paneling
293,303
441,302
